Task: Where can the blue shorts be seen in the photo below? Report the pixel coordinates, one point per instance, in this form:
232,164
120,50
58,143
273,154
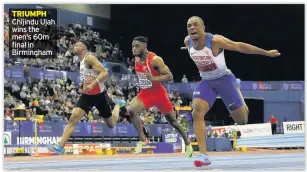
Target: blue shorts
225,86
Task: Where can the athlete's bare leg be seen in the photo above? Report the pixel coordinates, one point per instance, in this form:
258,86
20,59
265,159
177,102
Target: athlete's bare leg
171,118
200,108
76,115
145,132
134,110
112,120
240,115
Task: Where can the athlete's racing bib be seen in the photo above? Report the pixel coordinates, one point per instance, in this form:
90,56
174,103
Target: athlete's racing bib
144,82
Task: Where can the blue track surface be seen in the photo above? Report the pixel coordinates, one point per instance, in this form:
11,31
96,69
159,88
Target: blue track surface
280,162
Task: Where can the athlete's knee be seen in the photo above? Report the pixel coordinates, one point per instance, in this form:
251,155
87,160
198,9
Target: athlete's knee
245,118
171,118
241,121
133,108
247,110
76,115
111,124
200,108
240,115
132,111
110,120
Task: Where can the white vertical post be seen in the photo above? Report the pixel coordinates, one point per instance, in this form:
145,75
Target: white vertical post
182,145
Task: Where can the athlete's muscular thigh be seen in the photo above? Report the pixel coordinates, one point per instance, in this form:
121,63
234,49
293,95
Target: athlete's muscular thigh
232,98
240,115
200,108
76,115
136,105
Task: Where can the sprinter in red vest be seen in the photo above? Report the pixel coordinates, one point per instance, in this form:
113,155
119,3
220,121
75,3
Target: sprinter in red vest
151,71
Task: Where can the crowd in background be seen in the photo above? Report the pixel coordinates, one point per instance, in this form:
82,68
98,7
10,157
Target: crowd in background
66,60
55,99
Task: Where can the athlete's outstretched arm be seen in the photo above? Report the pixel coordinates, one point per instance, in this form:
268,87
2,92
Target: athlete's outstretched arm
165,74
98,67
242,47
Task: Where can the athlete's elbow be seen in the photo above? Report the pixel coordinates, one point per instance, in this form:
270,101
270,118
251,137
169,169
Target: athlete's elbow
170,77
240,47
105,73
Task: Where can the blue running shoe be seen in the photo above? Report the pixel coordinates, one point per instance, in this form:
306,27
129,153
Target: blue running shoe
202,160
56,148
117,101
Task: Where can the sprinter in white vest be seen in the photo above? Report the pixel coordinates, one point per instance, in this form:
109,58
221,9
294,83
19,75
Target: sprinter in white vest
207,52
93,76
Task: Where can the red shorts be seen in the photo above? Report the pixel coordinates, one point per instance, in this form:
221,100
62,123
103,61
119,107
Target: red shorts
158,98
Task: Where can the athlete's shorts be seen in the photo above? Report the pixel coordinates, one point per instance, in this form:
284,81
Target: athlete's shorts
226,87
100,101
159,99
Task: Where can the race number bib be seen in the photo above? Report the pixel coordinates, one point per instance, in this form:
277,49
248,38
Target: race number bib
143,81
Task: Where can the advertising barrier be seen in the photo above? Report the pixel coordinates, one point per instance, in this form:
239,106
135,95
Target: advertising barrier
73,149
7,138
294,127
50,132
249,130
173,138
16,73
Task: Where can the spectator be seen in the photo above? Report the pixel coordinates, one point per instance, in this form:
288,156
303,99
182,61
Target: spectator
20,105
123,102
209,131
130,69
178,102
23,94
163,120
15,88
8,114
273,121
184,79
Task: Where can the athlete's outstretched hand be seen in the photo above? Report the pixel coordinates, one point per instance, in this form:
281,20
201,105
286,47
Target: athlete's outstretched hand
272,53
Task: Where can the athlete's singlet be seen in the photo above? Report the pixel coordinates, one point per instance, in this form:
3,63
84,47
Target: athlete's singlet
87,75
145,69
152,93
217,79
209,66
